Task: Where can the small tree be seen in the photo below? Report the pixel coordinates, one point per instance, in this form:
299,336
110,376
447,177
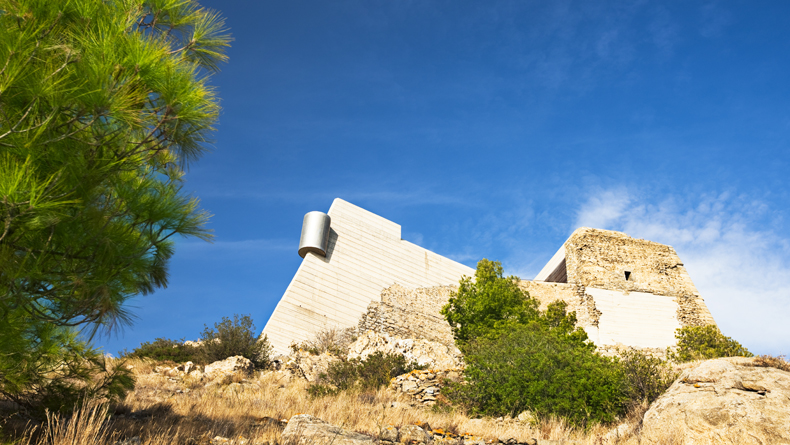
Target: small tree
103,103
520,358
236,337
487,301
704,342
547,371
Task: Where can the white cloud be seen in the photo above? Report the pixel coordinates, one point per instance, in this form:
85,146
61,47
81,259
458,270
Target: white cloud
250,246
740,266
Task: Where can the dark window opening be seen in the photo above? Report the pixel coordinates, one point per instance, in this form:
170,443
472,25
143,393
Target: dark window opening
559,275
627,275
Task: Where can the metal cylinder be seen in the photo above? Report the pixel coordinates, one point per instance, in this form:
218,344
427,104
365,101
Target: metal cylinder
315,234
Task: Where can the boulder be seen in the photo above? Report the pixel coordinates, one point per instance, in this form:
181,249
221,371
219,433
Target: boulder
413,434
308,366
230,365
723,401
304,429
389,434
428,353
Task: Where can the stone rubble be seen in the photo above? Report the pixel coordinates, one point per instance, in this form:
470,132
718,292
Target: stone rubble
231,365
304,429
424,352
304,365
423,387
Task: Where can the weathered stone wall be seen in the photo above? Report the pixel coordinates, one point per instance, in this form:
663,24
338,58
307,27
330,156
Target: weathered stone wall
572,294
610,260
402,315
425,300
641,310
601,258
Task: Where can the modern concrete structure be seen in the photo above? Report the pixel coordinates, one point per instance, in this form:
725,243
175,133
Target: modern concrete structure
624,291
343,272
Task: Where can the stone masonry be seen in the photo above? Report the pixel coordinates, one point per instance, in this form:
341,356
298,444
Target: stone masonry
410,313
626,292
602,258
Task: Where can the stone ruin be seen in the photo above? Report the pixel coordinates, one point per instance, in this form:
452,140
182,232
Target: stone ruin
626,292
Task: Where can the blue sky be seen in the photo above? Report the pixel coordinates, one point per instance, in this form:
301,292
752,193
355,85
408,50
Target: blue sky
492,130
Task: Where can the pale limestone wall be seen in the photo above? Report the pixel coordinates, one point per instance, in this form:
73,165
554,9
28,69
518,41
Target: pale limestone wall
410,313
426,300
578,301
366,255
597,258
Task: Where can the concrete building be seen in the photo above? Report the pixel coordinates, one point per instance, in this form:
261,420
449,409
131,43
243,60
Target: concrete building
358,271
349,258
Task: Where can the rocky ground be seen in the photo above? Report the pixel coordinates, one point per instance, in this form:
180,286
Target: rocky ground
721,401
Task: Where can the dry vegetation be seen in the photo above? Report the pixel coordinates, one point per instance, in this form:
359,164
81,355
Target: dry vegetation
164,410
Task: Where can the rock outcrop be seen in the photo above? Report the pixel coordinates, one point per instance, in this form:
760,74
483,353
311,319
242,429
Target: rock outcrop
304,429
422,387
302,364
231,365
427,353
723,401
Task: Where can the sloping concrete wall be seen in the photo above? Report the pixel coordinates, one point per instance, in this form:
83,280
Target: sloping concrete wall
365,255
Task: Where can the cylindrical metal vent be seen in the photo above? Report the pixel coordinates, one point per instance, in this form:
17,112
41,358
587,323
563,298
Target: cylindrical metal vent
315,234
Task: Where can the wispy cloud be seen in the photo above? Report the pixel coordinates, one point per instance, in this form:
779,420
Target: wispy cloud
250,246
740,266
391,197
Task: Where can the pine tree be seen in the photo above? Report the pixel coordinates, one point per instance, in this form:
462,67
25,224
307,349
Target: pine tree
103,105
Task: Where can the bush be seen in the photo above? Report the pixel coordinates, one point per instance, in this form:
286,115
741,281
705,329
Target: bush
228,338
486,301
234,337
519,358
369,374
771,361
165,349
332,340
48,368
645,377
704,342
529,367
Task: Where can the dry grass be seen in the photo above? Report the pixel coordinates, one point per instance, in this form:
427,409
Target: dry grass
329,339
164,410
771,361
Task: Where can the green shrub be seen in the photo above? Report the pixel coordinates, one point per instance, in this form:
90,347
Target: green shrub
234,337
486,301
165,349
520,358
645,377
704,342
369,374
227,338
529,367
44,367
